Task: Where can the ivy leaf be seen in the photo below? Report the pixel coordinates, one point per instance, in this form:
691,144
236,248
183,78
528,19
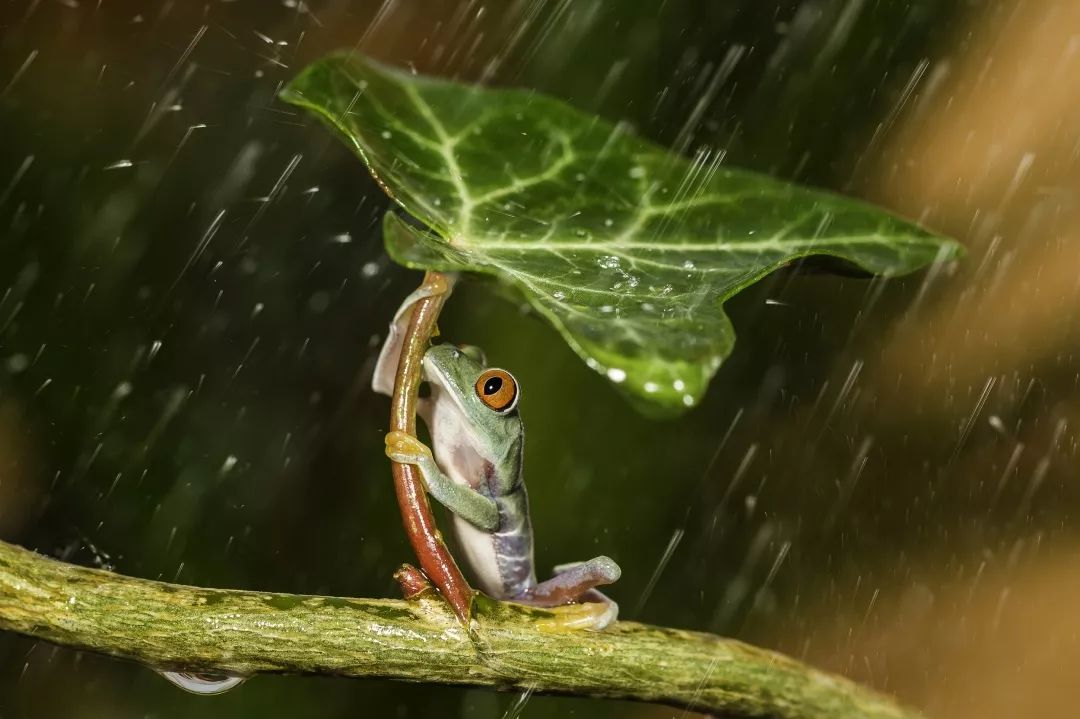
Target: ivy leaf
627,249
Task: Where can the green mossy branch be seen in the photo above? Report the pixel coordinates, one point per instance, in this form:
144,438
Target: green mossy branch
509,647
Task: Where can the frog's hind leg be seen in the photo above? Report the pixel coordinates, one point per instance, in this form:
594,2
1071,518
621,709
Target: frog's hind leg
576,583
572,581
382,381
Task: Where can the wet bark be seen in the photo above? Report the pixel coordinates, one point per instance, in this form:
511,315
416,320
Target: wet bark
506,647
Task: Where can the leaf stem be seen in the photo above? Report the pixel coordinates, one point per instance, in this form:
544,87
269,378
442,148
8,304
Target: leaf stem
434,557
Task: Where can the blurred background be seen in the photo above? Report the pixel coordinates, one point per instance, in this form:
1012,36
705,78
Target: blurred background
882,480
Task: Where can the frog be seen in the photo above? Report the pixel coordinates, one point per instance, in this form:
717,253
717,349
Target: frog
474,469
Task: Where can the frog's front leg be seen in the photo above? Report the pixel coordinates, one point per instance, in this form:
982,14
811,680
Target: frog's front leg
463,501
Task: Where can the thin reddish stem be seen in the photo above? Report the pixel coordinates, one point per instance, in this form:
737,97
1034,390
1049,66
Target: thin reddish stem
434,557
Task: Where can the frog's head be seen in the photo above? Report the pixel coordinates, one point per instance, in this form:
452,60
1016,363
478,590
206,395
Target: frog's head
486,397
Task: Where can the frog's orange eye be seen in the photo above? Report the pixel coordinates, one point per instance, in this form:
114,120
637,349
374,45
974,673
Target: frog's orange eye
498,389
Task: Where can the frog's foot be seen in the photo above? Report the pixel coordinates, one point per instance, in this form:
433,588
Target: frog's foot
595,612
405,449
576,583
386,367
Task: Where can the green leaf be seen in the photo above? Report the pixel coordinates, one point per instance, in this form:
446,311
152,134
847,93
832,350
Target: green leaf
627,249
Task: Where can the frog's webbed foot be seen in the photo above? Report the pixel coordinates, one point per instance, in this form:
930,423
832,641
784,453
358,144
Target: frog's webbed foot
386,367
595,612
576,583
406,449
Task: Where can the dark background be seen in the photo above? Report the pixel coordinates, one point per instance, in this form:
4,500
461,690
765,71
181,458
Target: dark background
881,480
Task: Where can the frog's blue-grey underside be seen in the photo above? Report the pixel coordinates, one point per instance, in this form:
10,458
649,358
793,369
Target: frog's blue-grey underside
475,471
627,249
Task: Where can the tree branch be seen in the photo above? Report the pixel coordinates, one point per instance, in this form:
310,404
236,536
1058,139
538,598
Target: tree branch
512,647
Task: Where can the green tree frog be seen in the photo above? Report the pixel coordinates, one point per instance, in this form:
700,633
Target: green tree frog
475,471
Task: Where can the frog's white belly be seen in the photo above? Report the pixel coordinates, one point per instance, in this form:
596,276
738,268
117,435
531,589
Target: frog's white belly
501,561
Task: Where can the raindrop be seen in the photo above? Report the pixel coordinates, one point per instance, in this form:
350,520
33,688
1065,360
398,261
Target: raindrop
608,262
559,295
652,387
319,302
17,363
386,134
204,683
370,269
515,710
679,385
119,165
343,239
637,172
228,464
616,375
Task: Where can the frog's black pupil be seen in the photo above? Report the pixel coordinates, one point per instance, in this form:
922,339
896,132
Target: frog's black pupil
493,385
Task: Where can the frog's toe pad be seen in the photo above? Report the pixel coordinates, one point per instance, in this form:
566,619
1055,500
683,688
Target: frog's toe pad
602,570
406,449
